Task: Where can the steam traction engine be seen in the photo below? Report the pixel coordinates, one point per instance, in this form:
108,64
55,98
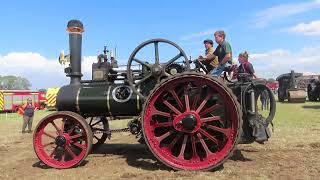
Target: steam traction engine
188,120
314,89
290,88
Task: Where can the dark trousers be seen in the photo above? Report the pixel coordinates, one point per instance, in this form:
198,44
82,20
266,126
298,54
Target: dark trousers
264,104
27,121
206,64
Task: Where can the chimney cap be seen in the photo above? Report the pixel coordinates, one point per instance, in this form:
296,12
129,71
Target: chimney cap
75,26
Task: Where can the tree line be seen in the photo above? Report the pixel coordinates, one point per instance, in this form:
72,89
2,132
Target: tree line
14,83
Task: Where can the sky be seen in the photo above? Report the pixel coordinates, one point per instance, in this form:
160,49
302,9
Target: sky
279,35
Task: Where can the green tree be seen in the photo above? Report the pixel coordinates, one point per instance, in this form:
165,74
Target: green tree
14,83
271,80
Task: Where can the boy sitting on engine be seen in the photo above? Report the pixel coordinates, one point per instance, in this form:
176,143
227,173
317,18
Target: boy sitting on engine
209,59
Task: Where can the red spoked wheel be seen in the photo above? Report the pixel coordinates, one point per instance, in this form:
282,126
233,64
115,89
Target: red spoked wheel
191,122
62,140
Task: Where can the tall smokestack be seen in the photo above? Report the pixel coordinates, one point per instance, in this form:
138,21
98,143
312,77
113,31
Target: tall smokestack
75,29
292,80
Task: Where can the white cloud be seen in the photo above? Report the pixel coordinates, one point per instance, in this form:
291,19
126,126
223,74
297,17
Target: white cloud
44,72
308,29
275,13
39,70
279,61
86,66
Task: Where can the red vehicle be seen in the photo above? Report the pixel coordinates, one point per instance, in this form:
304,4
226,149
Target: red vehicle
273,86
11,100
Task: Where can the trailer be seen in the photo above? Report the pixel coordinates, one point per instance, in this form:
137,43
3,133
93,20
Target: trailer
11,100
273,85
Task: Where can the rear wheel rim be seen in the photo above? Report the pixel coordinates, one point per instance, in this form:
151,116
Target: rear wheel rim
61,141
196,144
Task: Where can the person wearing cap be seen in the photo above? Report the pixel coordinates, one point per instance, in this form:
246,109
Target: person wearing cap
27,110
209,59
224,53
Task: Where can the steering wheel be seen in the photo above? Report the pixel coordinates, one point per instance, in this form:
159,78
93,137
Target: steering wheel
156,71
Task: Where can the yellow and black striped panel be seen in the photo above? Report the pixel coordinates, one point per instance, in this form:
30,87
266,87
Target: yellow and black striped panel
1,101
51,99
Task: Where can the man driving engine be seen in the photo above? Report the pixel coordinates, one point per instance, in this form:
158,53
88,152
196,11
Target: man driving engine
209,59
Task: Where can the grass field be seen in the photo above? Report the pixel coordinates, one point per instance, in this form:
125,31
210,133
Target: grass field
293,152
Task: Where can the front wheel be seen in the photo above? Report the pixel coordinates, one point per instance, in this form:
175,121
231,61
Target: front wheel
62,139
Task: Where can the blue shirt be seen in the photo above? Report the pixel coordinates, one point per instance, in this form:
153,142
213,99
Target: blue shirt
29,111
